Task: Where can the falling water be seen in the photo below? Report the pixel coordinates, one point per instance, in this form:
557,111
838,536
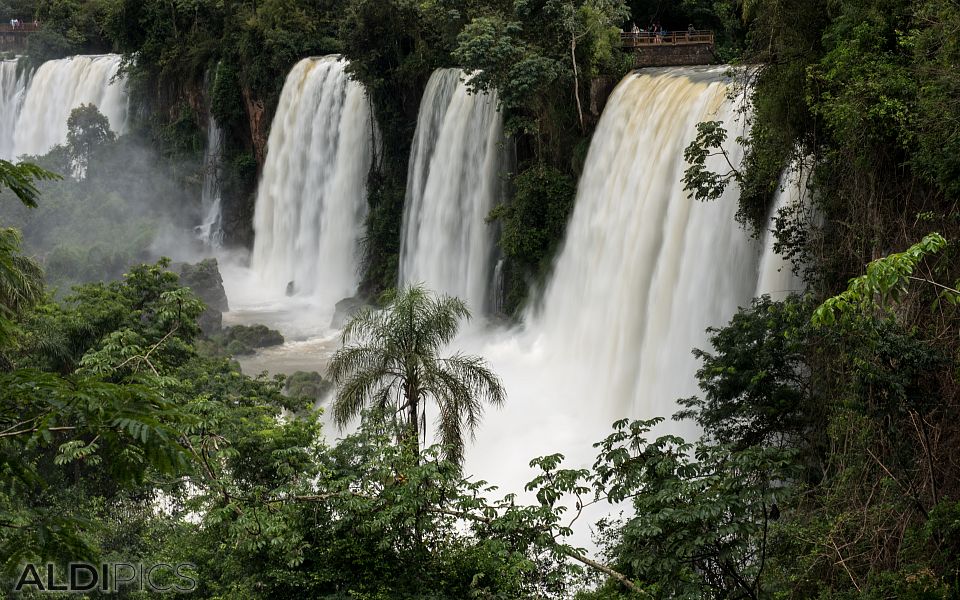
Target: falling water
210,231
452,184
13,86
311,202
58,87
645,269
777,277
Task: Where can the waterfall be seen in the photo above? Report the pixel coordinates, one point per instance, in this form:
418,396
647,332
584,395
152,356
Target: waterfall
13,86
452,184
311,201
776,277
210,231
644,269
58,87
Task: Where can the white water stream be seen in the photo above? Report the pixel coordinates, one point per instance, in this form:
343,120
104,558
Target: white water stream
210,231
311,201
35,108
453,182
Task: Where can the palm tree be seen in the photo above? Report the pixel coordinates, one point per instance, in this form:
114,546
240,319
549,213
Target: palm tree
390,361
21,278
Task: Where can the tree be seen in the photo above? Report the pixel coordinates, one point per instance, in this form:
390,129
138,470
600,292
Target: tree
579,20
701,525
87,131
21,278
394,358
755,380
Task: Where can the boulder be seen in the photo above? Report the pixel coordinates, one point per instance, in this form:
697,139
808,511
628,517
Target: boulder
253,336
345,309
303,384
205,281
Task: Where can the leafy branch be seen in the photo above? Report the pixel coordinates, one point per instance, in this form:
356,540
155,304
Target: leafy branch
885,281
699,181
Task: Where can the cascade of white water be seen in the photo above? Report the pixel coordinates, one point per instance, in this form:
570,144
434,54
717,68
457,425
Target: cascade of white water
58,87
210,231
453,182
311,201
776,277
13,87
645,269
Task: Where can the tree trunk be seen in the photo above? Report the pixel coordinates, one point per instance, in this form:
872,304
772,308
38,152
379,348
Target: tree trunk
413,414
576,80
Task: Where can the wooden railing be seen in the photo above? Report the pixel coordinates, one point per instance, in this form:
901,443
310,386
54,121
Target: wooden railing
674,38
21,28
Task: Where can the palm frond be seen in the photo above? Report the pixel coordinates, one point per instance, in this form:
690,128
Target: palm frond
21,178
355,393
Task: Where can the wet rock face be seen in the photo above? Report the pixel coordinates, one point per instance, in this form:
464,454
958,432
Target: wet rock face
259,120
345,309
205,281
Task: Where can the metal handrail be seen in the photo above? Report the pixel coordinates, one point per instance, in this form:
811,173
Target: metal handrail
22,28
675,38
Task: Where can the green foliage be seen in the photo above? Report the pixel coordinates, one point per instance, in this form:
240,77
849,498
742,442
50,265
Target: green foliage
516,70
884,283
21,179
102,413
932,48
17,9
87,132
246,339
531,50
699,181
533,222
755,382
382,241
702,514
69,27
21,279
125,429
74,230
307,385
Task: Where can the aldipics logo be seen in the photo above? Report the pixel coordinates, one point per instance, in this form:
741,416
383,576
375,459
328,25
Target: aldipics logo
160,578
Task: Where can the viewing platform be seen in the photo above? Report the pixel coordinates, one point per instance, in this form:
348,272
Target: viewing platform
670,48
15,38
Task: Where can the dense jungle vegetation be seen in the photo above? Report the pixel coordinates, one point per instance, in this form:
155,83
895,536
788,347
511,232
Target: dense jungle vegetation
831,464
